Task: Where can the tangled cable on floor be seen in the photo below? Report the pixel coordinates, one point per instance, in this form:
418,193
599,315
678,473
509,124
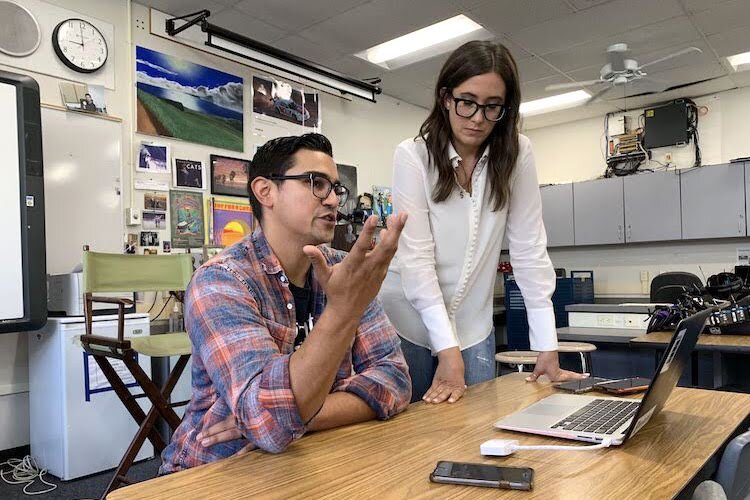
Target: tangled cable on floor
25,472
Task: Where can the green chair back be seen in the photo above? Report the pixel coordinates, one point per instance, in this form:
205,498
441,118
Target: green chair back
109,272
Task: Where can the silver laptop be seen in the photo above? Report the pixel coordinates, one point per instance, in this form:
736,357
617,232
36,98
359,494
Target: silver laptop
594,419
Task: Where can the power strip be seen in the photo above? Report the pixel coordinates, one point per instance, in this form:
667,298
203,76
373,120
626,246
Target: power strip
730,320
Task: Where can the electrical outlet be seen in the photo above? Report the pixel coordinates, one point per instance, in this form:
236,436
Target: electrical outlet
668,157
605,320
644,282
132,217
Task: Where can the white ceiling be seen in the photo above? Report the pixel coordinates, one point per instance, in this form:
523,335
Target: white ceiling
553,41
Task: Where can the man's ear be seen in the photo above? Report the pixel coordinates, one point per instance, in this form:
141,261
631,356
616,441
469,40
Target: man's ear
264,191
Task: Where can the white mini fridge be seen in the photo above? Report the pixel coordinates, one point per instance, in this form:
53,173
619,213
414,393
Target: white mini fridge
78,424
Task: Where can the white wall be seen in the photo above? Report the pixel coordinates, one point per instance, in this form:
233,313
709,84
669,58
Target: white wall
363,134
14,411
574,152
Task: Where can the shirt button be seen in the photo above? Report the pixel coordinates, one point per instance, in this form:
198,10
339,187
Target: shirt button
289,306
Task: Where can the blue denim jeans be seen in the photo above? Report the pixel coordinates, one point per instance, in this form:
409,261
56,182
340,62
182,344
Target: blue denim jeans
479,364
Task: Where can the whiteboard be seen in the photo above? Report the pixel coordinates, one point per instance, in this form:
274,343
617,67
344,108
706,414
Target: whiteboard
11,270
83,206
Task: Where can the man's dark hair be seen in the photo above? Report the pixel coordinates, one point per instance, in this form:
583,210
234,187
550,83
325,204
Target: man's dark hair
276,157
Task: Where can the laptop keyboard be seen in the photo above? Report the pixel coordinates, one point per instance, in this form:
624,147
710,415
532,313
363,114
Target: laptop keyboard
603,416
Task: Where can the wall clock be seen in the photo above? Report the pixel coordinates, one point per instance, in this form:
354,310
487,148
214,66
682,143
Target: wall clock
80,45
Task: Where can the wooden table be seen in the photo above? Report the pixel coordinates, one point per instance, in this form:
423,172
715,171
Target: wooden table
716,344
394,459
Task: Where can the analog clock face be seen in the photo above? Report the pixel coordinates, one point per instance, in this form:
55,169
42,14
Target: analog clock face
80,45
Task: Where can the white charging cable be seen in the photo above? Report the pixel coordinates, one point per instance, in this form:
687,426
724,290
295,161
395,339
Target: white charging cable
505,447
25,472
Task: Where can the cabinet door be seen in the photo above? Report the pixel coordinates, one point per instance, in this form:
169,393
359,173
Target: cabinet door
652,207
557,208
713,201
598,212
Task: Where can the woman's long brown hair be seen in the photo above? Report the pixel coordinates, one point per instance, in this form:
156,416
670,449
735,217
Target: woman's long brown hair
469,60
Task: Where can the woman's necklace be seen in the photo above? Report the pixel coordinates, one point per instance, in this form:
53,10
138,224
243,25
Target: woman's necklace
464,187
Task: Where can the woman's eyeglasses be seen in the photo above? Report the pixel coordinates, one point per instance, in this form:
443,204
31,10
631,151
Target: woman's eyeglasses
467,108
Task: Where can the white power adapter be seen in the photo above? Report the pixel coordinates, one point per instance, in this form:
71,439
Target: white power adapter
498,447
505,447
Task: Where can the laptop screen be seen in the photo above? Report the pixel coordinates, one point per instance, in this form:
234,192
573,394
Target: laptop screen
671,366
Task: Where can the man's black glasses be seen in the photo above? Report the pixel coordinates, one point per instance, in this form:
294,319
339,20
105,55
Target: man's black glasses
320,185
467,108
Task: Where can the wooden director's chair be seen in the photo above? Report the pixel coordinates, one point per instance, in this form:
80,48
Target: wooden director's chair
104,272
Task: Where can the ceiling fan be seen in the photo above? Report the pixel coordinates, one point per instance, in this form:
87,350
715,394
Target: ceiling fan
621,70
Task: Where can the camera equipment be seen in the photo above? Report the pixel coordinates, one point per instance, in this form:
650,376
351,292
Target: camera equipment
358,215
724,285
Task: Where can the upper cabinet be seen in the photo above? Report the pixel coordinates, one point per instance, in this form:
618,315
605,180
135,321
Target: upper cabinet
598,212
557,207
713,201
652,207
692,203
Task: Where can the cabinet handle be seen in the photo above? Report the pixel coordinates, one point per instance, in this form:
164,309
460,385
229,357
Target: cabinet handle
619,232
629,234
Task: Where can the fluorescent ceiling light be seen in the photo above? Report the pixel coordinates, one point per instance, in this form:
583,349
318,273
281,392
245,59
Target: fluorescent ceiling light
425,43
554,103
740,62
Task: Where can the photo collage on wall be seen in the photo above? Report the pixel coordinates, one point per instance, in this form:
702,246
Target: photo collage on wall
205,203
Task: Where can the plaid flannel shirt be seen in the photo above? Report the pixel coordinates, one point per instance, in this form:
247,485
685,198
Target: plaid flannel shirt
240,315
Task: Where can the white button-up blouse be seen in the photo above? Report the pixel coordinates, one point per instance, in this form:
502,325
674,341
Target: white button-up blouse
439,288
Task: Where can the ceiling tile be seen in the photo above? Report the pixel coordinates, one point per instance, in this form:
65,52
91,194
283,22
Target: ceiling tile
730,42
586,4
377,21
725,17
706,57
516,50
413,93
598,22
512,15
293,15
741,79
243,24
536,89
424,72
356,67
182,7
699,5
690,73
709,87
645,39
533,69
302,47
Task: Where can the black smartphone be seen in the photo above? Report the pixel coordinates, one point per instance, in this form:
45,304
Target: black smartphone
624,386
489,476
580,386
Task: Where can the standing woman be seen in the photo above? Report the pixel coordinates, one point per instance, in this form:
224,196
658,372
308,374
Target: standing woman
466,180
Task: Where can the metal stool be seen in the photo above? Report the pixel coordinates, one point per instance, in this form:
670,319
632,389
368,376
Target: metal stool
515,359
584,350
520,358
